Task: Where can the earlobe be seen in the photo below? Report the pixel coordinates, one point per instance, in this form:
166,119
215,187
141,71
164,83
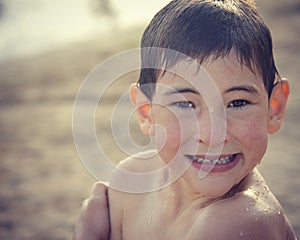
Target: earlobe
277,105
143,110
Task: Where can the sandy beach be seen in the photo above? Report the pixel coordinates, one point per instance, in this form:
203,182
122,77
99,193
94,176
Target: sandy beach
42,180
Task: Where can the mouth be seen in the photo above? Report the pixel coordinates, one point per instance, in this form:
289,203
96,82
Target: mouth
214,164
217,161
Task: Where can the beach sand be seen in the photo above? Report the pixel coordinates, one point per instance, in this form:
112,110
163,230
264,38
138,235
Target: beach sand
42,179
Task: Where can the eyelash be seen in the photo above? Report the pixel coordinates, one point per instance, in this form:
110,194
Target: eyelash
240,103
184,105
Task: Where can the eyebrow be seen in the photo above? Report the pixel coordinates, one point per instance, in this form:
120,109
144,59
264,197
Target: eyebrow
181,90
245,88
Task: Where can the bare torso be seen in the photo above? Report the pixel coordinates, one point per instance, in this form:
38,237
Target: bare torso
249,212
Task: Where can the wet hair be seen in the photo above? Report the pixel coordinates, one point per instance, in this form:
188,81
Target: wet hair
204,28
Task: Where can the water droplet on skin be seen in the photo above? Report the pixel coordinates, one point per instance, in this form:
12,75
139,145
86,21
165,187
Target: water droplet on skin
257,193
266,188
279,212
247,209
241,233
149,220
268,209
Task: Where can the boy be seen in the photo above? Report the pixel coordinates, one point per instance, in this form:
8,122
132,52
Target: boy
210,141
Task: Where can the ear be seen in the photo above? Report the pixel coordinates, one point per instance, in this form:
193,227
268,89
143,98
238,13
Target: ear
277,105
143,110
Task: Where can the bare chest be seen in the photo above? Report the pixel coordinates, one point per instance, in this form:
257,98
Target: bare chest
159,222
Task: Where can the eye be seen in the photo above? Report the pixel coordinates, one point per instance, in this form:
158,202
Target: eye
184,105
238,103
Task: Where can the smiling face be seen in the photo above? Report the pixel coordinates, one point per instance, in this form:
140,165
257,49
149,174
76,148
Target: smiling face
221,135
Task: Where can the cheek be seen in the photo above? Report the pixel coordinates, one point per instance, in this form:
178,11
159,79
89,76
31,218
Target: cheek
167,131
167,136
172,132
252,134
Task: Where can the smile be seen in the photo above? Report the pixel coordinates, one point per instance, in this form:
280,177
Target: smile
219,161
214,164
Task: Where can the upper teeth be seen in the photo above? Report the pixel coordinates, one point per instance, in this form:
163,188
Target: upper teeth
216,161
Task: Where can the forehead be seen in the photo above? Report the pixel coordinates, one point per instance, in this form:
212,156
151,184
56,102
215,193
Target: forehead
223,72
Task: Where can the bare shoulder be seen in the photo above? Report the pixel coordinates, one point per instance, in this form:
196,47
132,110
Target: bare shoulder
129,170
141,162
128,178
139,173
252,213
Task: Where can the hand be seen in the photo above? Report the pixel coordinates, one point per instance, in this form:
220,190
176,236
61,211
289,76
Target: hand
93,222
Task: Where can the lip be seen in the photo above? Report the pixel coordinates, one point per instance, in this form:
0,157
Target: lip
215,168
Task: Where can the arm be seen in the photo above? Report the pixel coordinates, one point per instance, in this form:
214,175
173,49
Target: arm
93,222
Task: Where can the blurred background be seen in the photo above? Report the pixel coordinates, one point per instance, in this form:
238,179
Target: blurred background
47,48
31,26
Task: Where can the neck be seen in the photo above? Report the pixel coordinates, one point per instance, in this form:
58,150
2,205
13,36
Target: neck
186,196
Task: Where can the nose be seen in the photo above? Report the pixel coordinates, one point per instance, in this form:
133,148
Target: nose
212,128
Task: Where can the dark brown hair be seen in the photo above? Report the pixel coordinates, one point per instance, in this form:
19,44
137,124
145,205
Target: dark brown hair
204,28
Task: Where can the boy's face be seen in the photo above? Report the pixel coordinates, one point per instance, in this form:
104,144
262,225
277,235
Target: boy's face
234,142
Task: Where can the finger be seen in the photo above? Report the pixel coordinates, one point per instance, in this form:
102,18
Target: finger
99,190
